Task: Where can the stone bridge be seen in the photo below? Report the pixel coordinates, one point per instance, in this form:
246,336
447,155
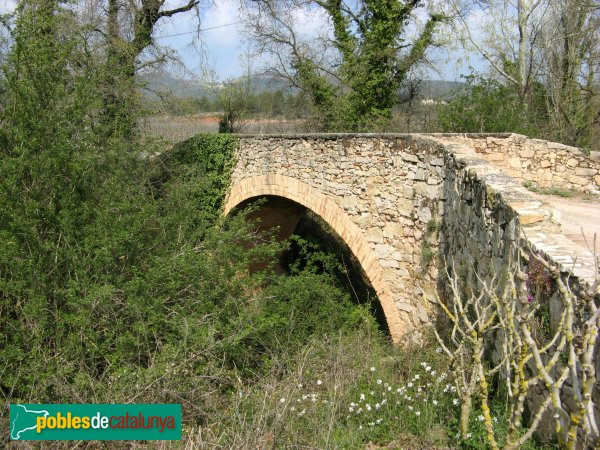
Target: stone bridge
404,204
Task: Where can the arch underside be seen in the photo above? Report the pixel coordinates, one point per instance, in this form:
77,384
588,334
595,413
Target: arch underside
307,196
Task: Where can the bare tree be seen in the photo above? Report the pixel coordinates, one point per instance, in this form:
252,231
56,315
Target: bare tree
545,49
503,313
571,49
353,68
124,31
504,33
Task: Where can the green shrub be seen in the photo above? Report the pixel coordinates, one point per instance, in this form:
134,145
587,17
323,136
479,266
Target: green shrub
485,105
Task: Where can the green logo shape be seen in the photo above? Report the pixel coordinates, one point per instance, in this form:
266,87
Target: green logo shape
106,422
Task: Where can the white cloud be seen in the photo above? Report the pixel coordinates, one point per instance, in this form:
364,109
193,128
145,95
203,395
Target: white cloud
7,6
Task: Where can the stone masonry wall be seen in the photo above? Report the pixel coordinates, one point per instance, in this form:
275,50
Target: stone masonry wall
395,198
548,164
489,218
383,194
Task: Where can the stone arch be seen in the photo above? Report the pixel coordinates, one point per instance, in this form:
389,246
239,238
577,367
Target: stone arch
307,196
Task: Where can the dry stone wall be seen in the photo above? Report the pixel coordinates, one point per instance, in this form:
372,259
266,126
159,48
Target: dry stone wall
380,194
548,164
388,195
398,200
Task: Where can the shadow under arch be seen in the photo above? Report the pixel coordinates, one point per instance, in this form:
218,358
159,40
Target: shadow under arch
276,185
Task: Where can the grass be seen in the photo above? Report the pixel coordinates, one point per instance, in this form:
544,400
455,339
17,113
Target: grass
551,190
343,391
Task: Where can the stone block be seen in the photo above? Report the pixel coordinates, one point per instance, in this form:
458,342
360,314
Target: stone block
375,234
515,163
572,162
580,181
424,214
420,175
526,153
585,171
410,157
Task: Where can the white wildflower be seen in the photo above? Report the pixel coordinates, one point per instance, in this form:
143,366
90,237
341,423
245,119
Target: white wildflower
377,406
439,350
293,408
368,407
410,408
319,382
455,402
362,397
282,400
410,385
379,381
418,413
351,409
435,402
433,372
373,369
480,418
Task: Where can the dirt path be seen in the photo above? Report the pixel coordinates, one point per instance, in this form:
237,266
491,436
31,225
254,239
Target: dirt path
577,214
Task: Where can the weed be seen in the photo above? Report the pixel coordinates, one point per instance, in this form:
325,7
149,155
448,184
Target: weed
551,190
428,254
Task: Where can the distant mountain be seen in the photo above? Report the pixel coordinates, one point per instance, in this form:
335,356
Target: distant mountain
165,84
439,89
161,84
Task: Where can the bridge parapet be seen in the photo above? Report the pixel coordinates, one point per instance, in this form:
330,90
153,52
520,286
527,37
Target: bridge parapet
547,164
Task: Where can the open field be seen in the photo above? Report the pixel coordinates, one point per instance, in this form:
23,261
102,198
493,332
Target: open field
179,128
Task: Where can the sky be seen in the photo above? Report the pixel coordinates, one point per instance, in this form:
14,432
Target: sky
222,44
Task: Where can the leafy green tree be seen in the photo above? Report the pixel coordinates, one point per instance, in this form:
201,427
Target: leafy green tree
372,56
486,105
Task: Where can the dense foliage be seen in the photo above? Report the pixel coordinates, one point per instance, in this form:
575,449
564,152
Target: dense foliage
119,281
373,52
486,105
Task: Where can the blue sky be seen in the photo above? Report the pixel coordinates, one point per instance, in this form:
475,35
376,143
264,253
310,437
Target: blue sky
222,44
